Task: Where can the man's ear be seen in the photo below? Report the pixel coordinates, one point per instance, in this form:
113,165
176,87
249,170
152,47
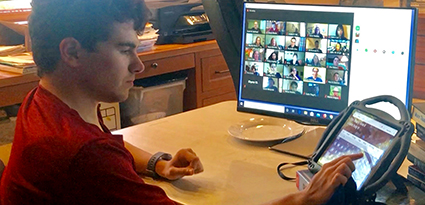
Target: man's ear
70,50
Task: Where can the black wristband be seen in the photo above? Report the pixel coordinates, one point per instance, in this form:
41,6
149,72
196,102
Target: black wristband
150,170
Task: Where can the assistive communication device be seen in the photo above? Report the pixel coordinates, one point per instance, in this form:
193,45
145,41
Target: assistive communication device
383,140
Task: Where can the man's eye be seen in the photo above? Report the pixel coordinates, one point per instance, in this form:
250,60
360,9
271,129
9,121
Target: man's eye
126,51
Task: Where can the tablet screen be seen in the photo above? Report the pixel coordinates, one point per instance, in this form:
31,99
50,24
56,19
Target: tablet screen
361,133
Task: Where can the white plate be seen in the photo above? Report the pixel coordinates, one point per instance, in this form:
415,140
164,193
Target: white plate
265,129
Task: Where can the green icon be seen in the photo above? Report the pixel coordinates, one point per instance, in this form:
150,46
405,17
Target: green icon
365,49
357,28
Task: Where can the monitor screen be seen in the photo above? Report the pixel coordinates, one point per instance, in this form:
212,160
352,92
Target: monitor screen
309,62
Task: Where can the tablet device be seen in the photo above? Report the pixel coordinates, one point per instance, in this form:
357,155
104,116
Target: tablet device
361,132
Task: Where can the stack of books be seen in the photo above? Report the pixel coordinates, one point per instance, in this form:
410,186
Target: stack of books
416,154
21,63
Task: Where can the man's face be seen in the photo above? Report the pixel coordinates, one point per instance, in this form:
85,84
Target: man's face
109,72
316,44
293,42
337,47
336,61
336,94
294,87
255,25
336,77
315,73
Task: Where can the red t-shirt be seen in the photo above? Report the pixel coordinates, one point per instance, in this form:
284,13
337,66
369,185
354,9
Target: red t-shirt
58,158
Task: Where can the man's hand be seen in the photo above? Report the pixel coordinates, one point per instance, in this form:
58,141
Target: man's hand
331,175
184,163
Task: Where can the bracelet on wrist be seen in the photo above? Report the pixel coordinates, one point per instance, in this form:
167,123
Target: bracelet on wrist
150,170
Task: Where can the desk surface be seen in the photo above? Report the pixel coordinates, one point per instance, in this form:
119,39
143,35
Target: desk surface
236,172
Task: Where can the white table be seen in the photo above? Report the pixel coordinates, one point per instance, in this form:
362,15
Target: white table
236,172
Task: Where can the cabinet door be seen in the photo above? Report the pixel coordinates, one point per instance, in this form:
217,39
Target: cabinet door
216,82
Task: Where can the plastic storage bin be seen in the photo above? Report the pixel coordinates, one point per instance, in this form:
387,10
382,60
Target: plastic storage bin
149,103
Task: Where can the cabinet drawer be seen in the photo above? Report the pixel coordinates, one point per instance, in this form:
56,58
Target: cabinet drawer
215,73
167,65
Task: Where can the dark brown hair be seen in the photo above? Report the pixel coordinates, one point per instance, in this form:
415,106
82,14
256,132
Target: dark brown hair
88,21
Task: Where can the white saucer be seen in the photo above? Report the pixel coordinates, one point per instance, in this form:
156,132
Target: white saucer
265,129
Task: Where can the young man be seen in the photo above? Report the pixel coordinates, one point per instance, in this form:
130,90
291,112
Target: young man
62,152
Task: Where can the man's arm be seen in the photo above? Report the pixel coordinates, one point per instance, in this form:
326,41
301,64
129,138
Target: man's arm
140,156
184,163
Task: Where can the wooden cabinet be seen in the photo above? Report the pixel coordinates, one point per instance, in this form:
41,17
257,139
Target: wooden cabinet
216,83
208,81
419,82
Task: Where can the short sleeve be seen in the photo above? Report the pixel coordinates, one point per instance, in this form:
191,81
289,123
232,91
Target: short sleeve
103,172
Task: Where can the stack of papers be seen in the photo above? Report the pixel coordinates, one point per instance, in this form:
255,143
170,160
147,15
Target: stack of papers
148,39
22,63
11,50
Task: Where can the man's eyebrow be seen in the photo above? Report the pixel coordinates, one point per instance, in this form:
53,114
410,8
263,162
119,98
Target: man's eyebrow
127,44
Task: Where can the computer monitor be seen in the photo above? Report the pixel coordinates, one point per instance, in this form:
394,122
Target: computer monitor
309,62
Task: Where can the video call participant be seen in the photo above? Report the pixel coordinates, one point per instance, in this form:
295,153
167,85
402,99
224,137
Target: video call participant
337,78
273,44
62,152
313,89
293,29
338,47
292,45
335,93
273,70
274,57
270,85
335,62
273,28
314,75
294,60
339,32
257,42
293,74
255,28
254,69
315,61
316,47
256,55
294,87
316,32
